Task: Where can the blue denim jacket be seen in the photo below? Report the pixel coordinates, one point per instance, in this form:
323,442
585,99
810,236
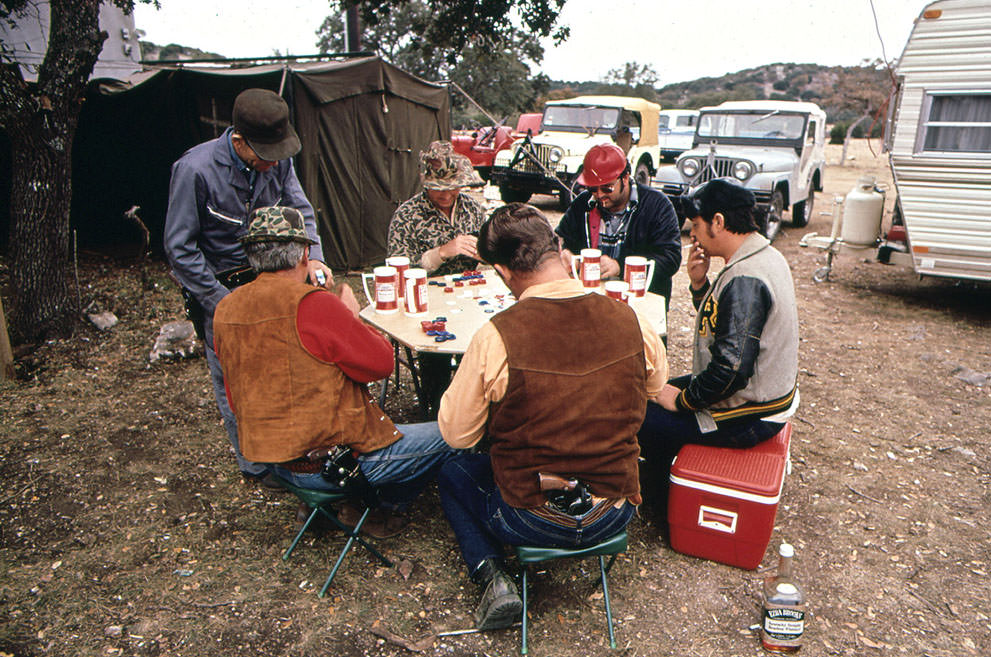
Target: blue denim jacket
209,204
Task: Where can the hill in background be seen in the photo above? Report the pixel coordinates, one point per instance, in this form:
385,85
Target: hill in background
154,52
831,87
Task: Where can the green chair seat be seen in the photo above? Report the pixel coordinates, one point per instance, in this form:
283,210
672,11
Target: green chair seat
528,554
321,502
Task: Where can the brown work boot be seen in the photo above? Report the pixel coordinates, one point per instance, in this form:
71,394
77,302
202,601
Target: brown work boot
381,523
500,605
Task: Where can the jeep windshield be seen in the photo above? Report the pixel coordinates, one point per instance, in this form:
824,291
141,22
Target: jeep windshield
751,125
581,118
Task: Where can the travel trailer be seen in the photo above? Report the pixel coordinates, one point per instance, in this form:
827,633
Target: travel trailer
939,142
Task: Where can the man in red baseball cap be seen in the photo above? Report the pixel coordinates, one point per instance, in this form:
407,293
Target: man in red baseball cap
621,218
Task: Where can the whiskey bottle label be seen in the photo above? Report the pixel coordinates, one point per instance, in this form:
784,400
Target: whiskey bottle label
784,624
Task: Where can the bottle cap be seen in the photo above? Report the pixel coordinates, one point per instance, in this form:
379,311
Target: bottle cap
786,550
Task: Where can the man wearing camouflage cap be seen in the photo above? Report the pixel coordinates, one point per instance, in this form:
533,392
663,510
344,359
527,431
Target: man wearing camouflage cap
214,188
744,380
437,228
296,362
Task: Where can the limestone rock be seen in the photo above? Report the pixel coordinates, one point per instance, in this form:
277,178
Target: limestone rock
175,340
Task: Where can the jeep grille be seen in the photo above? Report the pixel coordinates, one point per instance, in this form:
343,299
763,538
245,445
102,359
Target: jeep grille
722,167
526,165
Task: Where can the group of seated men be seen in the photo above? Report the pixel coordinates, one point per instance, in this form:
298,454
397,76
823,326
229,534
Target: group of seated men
562,383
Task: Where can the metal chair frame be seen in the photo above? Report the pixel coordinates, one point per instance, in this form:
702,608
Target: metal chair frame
610,547
320,501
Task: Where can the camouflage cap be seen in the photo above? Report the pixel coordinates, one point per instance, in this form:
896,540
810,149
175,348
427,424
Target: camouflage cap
442,168
276,224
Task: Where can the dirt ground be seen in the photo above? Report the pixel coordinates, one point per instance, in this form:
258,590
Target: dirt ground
125,528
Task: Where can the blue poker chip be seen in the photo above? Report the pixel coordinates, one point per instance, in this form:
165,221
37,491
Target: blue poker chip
489,310
432,332
440,319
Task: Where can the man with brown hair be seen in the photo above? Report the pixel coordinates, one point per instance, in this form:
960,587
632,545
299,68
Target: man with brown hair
558,383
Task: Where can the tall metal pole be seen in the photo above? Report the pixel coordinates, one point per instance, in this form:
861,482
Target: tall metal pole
353,28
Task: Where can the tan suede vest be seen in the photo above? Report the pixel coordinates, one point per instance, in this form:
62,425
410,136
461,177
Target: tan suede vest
286,401
575,399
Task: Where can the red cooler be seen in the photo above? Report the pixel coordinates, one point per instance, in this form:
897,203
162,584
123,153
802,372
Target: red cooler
722,501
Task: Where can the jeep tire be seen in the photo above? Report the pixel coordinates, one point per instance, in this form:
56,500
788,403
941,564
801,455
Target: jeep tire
642,173
801,212
772,221
513,195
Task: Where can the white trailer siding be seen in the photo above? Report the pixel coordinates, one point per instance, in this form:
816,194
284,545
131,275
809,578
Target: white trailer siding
945,195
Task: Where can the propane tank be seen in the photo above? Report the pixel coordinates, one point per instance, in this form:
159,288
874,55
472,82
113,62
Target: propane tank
862,213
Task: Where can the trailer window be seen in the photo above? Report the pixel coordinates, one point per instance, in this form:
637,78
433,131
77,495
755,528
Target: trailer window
957,123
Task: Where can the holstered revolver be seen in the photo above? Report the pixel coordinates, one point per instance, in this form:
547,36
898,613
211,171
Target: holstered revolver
341,468
568,496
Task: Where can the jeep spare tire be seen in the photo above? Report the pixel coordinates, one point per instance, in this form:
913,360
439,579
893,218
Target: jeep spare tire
801,212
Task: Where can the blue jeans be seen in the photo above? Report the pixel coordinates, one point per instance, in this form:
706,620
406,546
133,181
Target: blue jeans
663,433
398,472
483,522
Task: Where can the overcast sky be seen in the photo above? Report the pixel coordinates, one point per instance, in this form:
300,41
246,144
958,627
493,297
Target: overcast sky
682,40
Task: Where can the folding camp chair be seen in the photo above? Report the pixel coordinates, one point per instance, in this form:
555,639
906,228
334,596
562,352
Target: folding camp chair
355,488
612,546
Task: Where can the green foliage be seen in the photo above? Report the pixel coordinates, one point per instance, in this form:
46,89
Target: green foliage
838,132
456,24
493,69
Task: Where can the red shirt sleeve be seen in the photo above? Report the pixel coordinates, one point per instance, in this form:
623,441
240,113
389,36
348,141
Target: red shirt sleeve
329,332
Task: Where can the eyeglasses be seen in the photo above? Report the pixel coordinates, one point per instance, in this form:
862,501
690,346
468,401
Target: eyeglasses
604,189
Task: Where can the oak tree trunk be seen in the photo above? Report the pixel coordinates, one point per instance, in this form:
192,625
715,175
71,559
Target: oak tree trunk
40,118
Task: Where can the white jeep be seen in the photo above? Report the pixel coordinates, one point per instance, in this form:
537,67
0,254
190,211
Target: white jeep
549,163
774,148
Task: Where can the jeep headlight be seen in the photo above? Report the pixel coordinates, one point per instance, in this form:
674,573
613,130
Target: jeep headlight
689,167
555,155
742,170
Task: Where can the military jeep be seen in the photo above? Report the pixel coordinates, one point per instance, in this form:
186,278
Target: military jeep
774,148
549,163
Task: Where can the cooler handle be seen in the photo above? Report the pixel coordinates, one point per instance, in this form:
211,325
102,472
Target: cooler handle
717,519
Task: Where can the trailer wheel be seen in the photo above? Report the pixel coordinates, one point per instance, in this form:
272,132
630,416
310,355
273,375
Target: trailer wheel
801,212
513,195
772,222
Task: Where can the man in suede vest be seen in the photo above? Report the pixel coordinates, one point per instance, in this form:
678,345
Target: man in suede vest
296,361
558,383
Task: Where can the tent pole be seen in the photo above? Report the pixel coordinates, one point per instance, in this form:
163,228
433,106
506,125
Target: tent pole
472,101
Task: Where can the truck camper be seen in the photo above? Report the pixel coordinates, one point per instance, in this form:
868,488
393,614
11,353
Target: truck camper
938,138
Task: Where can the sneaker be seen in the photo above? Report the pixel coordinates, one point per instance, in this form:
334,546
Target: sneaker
500,605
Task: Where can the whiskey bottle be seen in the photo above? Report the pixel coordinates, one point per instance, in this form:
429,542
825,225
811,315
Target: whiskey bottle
783,619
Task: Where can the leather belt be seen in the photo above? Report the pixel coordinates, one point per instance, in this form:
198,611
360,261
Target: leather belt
303,465
552,515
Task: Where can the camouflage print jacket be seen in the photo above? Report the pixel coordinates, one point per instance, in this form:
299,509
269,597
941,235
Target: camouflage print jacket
418,226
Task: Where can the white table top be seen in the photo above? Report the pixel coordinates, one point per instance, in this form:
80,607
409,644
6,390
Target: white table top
466,313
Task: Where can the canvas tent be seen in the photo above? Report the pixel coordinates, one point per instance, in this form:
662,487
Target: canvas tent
362,123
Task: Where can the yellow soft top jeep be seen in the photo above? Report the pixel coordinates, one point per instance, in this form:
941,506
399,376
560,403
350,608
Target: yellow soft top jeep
549,163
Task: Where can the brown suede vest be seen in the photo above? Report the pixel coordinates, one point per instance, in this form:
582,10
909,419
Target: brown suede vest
286,401
575,399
